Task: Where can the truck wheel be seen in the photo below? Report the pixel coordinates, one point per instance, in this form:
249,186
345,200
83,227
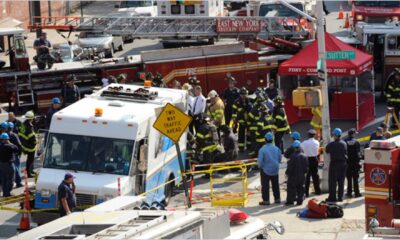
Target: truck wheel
169,191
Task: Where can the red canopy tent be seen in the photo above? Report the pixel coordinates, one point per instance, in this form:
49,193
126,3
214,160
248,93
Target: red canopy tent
304,63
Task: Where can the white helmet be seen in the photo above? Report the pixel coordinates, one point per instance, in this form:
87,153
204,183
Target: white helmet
212,94
29,115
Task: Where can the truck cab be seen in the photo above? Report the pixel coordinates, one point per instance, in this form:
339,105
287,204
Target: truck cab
107,141
138,8
12,44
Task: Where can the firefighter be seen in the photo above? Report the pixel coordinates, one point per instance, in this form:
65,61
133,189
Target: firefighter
255,128
230,95
296,170
241,108
316,121
216,110
281,123
353,163
205,139
271,91
393,91
265,125
28,141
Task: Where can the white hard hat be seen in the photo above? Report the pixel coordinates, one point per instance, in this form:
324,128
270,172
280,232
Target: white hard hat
29,115
212,94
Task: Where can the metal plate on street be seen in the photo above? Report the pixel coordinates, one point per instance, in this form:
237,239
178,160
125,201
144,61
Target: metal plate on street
238,25
341,55
172,122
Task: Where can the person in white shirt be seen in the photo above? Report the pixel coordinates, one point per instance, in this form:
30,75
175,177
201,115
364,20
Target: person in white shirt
198,107
311,150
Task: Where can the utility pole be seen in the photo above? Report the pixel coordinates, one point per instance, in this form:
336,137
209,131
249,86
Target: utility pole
323,77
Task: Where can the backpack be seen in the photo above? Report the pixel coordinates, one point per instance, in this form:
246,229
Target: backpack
334,211
320,208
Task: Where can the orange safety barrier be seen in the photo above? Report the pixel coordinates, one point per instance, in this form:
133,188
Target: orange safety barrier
24,223
63,23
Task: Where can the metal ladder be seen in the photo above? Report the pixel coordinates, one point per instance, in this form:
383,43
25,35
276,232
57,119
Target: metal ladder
132,227
25,95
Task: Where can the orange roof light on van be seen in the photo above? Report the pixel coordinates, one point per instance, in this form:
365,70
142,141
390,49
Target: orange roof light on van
98,112
148,83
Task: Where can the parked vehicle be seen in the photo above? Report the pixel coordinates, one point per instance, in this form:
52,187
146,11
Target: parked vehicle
138,8
67,52
100,43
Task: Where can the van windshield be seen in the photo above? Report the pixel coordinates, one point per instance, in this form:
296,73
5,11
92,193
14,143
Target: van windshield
89,154
129,4
279,10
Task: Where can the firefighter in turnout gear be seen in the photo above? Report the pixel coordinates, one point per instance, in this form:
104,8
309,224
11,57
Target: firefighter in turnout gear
316,121
241,108
28,140
393,91
215,110
281,123
206,139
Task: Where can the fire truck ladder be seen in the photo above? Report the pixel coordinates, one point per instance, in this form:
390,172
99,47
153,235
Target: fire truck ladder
167,27
25,95
134,226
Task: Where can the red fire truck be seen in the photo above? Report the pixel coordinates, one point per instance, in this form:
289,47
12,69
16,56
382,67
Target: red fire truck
375,11
24,85
382,192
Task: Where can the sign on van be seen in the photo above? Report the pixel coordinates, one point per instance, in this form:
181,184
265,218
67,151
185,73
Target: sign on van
172,122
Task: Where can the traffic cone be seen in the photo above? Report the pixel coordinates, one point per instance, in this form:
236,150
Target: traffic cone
347,21
352,13
340,16
24,223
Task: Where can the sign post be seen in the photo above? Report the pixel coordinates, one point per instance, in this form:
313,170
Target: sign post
172,122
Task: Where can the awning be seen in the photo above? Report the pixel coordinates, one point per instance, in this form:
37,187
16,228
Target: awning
305,62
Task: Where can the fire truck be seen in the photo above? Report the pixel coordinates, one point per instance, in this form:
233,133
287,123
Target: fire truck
383,42
375,11
382,192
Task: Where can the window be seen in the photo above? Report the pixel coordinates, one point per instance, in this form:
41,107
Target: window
279,10
90,154
134,3
378,3
393,43
189,9
20,49
175,9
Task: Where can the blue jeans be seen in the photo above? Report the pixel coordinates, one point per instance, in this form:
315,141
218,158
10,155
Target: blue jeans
18,178
7,172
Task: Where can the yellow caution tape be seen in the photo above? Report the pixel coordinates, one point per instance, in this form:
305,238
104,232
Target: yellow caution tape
366,138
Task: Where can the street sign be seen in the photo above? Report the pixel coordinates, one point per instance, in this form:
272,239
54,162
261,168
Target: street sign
172,122
238,25
341,55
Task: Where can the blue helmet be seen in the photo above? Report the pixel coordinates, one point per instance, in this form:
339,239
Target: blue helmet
4,136
269,136
10,125
4,125
56,100
296,135
337,132
296,144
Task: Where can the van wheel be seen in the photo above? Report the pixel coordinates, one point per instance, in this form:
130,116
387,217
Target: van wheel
169,191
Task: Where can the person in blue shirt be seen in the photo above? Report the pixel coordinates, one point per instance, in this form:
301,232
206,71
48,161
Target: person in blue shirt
269,158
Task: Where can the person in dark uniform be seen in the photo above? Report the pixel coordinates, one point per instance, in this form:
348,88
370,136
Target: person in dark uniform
271,91
70,92
42,45
290,150
393,91
377,135
296,170
13,119
230,95
56,105
353,164
66,195
27,136
14,139
7,168
230,147
281,122
205,139
241,109
337,167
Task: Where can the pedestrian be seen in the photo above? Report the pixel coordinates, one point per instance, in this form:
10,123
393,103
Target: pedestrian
41,45
353,164
70,92
271,91
55,106
230,146
7,168
66,195
13,119
269,158
337,167
241,109
27,136
215,110
199,106
311,151
393,91
230,95
14,139
297,167
290,150
281,123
